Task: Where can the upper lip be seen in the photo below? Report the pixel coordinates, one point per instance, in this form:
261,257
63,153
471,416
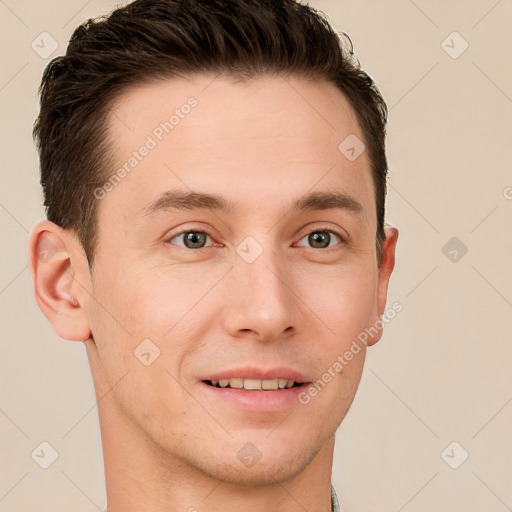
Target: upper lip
252,372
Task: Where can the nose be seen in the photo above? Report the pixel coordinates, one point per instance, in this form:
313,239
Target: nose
261,300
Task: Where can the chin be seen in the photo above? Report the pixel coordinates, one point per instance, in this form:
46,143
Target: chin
258,475
273,467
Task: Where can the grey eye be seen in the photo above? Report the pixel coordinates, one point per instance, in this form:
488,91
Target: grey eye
192,239
321,239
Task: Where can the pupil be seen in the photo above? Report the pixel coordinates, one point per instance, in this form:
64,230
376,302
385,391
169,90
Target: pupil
194,239
319,239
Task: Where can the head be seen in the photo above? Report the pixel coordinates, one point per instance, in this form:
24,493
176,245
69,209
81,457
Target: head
204,216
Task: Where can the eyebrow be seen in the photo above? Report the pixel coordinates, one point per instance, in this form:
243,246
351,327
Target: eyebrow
181,200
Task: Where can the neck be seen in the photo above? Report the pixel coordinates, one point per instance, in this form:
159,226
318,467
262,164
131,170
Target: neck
141,475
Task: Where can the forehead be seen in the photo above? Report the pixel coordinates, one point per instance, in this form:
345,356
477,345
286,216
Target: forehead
269,137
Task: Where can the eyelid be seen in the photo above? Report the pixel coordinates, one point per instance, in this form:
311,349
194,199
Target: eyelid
325,227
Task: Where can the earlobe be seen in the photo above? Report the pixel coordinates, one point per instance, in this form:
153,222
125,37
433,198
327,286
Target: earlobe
387,264
53,259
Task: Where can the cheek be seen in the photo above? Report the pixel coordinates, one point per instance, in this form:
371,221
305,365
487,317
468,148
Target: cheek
343,300
344,303
135,303
132,324
121,315
166,305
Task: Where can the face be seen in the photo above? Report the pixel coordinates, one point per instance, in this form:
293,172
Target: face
238,247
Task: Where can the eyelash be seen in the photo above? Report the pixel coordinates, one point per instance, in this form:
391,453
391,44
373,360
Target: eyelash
317,230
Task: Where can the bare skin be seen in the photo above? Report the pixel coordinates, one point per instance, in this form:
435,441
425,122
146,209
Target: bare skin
171,441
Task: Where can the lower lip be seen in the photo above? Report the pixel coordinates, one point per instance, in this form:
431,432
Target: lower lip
257,400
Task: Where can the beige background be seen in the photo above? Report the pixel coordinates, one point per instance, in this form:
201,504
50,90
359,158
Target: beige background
442,370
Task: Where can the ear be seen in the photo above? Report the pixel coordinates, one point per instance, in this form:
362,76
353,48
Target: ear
387,263
57,265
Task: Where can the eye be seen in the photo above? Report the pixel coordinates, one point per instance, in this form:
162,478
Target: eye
196,239
192,239
322,238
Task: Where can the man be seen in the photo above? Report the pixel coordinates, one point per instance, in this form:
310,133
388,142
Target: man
214,176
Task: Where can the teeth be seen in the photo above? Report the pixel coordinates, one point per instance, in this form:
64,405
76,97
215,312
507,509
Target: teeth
253,384
236,383
270,384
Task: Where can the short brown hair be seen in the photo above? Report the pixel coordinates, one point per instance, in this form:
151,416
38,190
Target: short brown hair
161,39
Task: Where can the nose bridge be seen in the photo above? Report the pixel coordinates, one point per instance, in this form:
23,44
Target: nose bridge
260,296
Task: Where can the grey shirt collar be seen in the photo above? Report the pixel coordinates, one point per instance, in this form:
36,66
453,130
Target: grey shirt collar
335,506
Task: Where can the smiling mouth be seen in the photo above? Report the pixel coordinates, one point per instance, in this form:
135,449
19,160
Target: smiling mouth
254,384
